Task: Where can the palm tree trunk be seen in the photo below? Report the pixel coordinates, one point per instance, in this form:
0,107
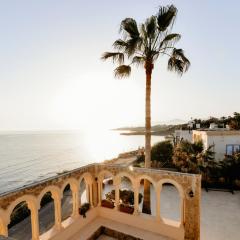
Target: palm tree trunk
147,196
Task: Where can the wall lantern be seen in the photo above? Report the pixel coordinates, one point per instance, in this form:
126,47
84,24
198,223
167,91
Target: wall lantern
191,194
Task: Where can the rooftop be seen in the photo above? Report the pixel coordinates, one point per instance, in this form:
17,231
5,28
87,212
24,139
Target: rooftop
115,217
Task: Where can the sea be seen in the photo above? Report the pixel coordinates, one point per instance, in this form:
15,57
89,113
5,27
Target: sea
28,157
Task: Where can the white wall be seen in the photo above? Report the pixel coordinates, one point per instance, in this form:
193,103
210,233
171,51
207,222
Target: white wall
220,143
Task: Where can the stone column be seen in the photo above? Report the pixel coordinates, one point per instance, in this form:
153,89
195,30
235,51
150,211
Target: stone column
136,187
99,192
58,212
34,221
158,202
116,183
90,195
75,199
95,193
3,229
192,210
87,193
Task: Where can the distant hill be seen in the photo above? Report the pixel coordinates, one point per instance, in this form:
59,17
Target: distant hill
160,130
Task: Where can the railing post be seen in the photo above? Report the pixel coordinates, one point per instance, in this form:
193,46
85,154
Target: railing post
75,200
117,190
3,228
95,192
34,220
99,191
136,198
158,202
58,212
90,195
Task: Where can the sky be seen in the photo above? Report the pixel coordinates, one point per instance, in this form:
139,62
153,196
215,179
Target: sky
51,75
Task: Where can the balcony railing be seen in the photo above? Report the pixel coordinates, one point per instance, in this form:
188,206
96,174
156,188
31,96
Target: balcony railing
187,185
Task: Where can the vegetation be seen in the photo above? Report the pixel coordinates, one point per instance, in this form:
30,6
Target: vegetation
126,196
142,46
230,168
232,121
162,153
191,158
162,130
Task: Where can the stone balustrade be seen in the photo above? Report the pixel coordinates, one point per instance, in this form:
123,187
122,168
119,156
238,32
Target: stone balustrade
188,186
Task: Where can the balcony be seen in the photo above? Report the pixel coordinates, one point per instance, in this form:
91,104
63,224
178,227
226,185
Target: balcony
111,219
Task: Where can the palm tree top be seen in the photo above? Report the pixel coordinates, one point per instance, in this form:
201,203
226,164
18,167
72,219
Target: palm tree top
143,44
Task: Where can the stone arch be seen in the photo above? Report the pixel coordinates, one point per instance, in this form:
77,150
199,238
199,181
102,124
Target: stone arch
73,184
29,199
153,193
180,200
103,173
126,174
51,205
69,202
31,216
87,177
54,190
142,177
174,183
101,187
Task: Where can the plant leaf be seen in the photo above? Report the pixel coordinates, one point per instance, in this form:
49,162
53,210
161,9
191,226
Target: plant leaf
122,71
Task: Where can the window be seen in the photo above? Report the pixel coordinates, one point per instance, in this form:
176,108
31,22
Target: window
232,148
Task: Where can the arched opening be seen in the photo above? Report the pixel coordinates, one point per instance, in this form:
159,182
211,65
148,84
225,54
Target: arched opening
46,213
83,193
170,202
152,199
126,195
67,203
84,197
107,191
20,222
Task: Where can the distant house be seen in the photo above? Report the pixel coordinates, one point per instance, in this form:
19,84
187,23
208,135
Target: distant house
180,135
224,141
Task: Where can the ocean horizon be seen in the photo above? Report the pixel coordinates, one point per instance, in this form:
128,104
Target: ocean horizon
31,156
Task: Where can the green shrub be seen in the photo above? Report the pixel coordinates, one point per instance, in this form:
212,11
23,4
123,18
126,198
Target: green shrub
162,152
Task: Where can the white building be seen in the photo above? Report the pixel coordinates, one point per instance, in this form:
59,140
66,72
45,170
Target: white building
225,141
183,135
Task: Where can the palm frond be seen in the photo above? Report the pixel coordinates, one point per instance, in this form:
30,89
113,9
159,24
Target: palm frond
166,16
120,44
122,71
151,27
116,57
133,44
179,53
129,26
138,60
178,62
170,39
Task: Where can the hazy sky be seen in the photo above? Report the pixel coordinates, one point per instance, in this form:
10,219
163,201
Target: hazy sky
51,76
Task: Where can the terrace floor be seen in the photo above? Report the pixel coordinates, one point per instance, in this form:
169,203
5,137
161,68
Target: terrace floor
87,231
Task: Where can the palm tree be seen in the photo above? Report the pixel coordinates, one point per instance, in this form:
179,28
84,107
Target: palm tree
142,45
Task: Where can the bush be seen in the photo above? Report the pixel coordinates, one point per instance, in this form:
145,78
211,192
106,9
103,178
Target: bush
162,152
